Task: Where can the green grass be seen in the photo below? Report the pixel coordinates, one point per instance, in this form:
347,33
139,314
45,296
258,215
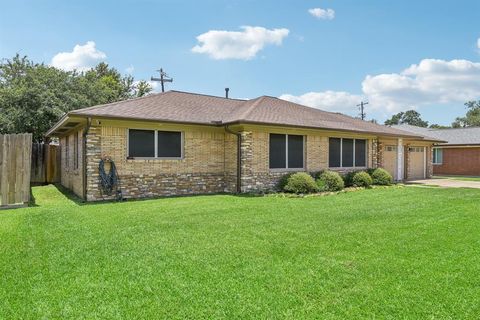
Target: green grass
380,253
461,178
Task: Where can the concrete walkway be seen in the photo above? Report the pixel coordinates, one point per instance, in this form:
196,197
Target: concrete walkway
447,183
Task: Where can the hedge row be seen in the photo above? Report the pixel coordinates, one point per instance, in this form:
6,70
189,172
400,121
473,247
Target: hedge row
302,182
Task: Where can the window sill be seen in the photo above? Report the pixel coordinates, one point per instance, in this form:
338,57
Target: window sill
287,170
152,159
437,164
347,168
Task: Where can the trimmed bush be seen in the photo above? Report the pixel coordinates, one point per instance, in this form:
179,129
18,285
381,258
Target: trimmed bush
382,177
370,171
316,174
283,181
300,182
362,179
330,181
348,178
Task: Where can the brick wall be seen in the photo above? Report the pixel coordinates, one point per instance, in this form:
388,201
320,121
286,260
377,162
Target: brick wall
72,162
208,165
256,174
459,161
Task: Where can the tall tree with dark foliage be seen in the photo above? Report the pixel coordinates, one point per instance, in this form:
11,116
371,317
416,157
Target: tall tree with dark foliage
33,96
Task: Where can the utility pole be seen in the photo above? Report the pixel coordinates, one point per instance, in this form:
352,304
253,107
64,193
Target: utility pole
163,78
361,106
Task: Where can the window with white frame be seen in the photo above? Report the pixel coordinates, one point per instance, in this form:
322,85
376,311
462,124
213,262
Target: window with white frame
155,144
437,156
286,151
347,153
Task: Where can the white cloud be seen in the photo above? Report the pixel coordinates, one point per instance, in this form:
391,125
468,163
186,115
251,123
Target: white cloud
336,101
83,57
244,45
319,13
130,69
478,43
432,81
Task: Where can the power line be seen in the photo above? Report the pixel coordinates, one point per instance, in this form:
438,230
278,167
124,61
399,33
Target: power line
163,78
361,106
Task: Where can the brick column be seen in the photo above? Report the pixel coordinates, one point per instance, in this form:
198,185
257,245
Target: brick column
407,161
380,155
246,162
429,164
374,151
93,153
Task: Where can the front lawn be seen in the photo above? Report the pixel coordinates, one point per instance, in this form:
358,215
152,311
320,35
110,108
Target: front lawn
408,252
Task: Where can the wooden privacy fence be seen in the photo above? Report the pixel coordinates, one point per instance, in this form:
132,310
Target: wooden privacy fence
45,163
15,166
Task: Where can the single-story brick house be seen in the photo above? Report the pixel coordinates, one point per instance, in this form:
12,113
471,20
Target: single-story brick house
177,143
459,155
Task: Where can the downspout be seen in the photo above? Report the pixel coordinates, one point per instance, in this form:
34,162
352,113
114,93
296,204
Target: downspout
84,157
239,157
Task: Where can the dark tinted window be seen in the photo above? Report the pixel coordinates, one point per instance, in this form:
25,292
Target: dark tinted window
277,151
334,152
295,151
360,153
169,144
141,143
347,153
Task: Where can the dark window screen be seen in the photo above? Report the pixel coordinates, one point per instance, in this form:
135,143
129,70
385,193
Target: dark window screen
360,153
277,151
169,144
295,151
347,153
141,143
334,153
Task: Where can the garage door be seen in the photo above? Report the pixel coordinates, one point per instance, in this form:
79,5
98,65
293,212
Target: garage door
417,163
390,160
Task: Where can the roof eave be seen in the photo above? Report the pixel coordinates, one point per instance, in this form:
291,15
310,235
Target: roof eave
59,123
324,128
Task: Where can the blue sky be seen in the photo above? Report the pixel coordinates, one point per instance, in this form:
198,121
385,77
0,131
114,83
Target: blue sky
396,54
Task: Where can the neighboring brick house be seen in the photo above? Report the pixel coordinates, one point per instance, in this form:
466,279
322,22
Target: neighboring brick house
177,143
459,155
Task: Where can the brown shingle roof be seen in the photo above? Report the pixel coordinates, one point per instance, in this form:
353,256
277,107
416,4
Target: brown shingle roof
171,106
184,107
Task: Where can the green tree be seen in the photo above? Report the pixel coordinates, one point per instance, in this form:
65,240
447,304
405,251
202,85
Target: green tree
438,126
33,96
410,117
472,117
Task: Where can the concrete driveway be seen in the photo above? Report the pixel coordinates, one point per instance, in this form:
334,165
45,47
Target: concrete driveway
447,183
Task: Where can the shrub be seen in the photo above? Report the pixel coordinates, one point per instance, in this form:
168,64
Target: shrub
348,178
362,179
382,177
300,182
330,181
283,181
316,174
370,171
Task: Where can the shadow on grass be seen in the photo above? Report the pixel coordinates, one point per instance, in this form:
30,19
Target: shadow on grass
80,202
67,193
32,202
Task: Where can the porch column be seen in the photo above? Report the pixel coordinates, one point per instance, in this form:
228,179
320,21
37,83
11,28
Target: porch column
400,161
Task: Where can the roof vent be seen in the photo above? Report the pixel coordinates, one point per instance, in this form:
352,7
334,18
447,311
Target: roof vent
226,92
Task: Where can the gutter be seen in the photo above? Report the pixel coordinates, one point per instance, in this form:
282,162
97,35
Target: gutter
239,158
84,157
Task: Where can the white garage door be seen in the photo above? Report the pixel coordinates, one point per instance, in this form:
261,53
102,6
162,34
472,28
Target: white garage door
390,160
417,163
